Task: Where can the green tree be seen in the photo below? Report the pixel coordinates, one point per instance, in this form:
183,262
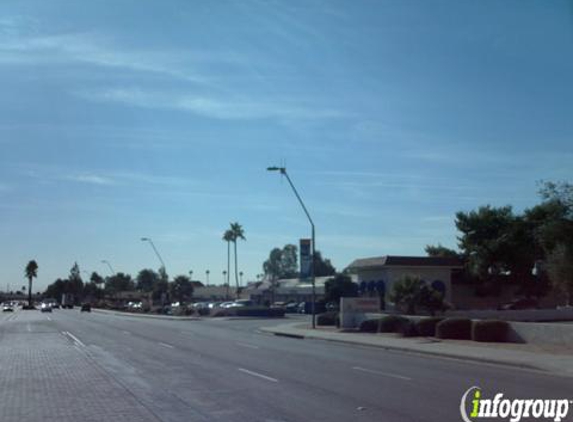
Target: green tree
228,237
97,279
439,251
75,284
146,279
485,239
560,269
181,288
31,272
322,266
339,286
118,282
282,263
407,292
238,234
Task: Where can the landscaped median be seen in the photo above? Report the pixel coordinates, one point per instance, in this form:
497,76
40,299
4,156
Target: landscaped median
554,359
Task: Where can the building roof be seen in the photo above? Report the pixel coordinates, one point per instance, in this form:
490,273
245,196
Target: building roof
403,261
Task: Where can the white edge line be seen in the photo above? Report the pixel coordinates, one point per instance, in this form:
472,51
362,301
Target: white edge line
256,374
166,345
385,374
75,339
250,346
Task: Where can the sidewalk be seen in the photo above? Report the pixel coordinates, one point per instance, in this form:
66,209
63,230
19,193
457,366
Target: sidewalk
554,360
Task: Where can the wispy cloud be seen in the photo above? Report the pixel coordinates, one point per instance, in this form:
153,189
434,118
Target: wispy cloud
106,177
93,48
233,108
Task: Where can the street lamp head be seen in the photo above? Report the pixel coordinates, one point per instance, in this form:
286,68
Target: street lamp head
144,239
275,168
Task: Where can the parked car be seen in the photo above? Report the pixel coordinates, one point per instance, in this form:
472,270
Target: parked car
517,304
86,307
291,308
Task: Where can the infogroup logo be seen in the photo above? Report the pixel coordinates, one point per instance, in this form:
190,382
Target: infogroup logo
513,410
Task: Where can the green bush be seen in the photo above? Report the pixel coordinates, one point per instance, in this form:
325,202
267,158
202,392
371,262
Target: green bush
409,329
427,327
454,328
327,318
387,324
490,331
257,311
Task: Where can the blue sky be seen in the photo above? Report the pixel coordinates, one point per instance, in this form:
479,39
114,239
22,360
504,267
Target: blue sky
123,119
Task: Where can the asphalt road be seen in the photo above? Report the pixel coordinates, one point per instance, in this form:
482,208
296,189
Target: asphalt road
72,366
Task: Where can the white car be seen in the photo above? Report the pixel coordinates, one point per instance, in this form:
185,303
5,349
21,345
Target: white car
6,307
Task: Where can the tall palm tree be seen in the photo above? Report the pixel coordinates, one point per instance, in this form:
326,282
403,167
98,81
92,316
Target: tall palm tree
31,273
228,237
238,233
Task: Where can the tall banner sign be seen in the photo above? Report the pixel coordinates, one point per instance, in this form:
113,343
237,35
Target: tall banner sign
305,258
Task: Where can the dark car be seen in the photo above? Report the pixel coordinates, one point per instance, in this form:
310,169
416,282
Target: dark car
86,307
523,303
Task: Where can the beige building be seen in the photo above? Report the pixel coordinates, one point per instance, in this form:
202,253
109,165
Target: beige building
375,276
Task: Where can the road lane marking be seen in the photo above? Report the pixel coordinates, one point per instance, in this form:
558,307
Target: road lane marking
49,319
385,374
256,374
75,339
250,346
29,328
127,333
166,345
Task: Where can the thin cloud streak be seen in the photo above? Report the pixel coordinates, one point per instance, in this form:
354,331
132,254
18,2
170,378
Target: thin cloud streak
238,108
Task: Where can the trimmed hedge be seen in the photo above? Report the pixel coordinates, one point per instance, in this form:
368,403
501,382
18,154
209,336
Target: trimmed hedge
454,328
258,311
427,327
327,318
409,329
387,324
490,331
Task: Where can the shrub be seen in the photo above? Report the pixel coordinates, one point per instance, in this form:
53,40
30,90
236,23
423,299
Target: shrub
257,311
387,324
409,329
427,327
454,328
327,318
490,331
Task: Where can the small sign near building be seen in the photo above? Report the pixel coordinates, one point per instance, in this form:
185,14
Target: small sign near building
353,310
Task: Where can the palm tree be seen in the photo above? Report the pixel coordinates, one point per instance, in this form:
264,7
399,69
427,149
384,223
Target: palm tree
238,233
31,273
228,237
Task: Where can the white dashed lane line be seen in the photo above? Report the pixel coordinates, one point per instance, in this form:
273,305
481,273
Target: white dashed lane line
249,346
166,345
384,374
256,374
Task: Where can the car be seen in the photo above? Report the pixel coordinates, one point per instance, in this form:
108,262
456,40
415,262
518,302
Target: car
86,307
7,308
518,304
45,307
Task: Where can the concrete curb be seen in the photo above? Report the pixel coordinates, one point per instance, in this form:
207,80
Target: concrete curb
519,365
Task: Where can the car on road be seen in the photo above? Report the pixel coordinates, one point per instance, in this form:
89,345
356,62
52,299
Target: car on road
7,308
45,307
86,307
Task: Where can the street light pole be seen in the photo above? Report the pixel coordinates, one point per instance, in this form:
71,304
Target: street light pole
109,266
148,239
283,171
